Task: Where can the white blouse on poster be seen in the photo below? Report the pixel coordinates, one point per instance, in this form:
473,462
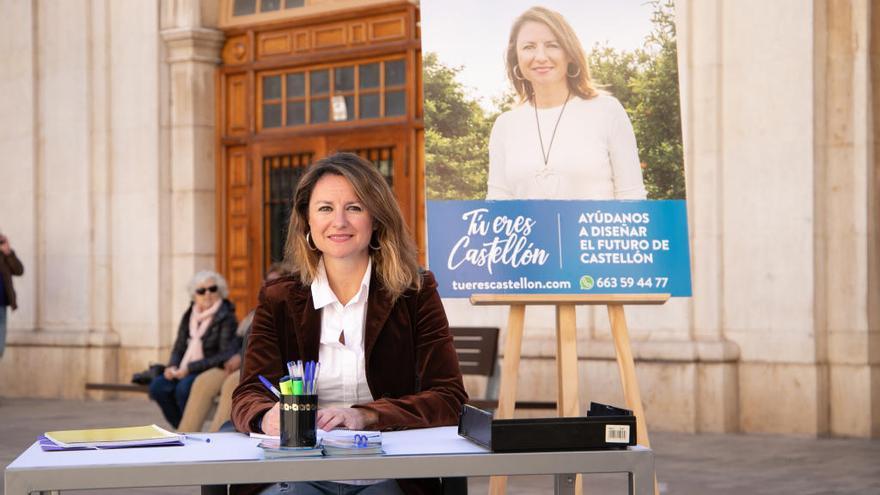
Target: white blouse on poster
593,155
342,380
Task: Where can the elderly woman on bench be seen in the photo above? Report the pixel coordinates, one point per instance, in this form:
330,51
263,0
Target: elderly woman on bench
205,340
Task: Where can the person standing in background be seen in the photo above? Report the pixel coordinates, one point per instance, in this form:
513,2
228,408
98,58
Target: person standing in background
9,266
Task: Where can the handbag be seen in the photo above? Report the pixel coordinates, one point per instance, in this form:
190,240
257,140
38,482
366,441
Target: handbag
146,377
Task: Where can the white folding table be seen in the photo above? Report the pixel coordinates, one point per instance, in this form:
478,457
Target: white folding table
232,458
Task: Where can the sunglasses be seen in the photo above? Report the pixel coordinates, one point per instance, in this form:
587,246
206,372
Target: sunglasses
202,290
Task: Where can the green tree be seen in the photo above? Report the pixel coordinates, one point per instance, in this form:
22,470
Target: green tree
645,82
612,71
656,116
456,136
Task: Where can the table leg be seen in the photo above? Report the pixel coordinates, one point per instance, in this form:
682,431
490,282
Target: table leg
564,484
642,480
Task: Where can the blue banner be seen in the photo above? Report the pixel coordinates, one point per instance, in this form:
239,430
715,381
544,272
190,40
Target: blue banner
559,247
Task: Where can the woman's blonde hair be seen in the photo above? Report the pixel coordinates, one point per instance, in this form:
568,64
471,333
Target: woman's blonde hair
577,72
395,261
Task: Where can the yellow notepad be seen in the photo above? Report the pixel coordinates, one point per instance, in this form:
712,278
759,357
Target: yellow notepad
114,437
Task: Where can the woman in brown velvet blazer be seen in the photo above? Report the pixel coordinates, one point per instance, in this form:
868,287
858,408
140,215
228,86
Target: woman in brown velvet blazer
347,236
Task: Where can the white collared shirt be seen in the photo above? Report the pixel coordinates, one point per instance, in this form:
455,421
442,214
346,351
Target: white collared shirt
342,380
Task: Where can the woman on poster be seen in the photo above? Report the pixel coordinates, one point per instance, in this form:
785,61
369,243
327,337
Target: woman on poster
566,139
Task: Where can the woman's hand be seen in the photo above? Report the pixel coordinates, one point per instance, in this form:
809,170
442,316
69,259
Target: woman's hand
271,423
180,373
346,417
169,372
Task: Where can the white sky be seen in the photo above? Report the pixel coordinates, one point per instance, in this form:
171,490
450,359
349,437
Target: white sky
473,33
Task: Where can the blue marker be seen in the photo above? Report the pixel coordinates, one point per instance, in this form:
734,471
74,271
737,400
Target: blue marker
269,385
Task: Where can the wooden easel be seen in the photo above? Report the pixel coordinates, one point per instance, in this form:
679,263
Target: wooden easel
566,355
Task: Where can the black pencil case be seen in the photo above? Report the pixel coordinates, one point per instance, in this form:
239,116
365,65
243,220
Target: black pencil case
604,427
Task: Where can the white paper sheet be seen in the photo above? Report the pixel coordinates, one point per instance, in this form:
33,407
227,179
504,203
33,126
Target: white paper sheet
223,447
442,440
238,447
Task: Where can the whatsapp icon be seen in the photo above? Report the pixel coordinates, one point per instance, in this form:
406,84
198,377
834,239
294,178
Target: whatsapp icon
586,282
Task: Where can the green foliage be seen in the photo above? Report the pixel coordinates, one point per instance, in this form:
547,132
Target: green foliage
612,71
656,116
456,136
644,81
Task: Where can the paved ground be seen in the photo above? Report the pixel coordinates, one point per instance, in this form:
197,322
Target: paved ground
686,464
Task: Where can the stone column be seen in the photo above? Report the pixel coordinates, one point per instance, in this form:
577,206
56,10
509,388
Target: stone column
845,191
193,54
699,31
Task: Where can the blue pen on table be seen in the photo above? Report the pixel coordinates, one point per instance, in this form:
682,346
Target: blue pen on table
269,385
198,439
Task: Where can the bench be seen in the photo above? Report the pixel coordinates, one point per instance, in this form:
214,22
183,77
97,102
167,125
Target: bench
119,387
477,350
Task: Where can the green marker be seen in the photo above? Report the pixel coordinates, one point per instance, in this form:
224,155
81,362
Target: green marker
297,386
286,386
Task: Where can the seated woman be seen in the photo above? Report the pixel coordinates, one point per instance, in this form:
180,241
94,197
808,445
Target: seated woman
205,340
221,380
356,301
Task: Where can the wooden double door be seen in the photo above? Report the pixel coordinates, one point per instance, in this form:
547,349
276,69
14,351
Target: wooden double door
261,179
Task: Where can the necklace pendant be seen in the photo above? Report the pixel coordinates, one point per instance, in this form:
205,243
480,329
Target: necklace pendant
543,173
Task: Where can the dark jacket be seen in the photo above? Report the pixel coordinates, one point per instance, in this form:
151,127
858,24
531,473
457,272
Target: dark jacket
9,266
411,365
219,342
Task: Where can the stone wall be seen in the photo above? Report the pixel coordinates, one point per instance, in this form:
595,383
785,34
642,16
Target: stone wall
108,151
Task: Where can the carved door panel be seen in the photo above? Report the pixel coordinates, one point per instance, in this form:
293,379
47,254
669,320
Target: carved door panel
236,241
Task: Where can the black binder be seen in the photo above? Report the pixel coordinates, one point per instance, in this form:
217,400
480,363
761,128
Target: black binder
604,427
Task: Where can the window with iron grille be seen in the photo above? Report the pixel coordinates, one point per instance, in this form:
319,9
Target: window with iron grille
281,175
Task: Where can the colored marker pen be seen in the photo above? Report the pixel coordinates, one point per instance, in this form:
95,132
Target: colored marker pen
268,385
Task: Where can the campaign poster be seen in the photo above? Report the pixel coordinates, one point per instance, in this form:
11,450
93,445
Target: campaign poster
553,148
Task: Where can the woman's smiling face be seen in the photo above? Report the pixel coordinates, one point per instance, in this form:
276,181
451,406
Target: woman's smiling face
339,222
539,54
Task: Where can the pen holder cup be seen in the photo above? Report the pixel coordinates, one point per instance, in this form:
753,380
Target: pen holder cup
298,417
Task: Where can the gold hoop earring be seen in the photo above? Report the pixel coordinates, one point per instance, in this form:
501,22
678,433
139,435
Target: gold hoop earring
520,76
576,73
309,242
